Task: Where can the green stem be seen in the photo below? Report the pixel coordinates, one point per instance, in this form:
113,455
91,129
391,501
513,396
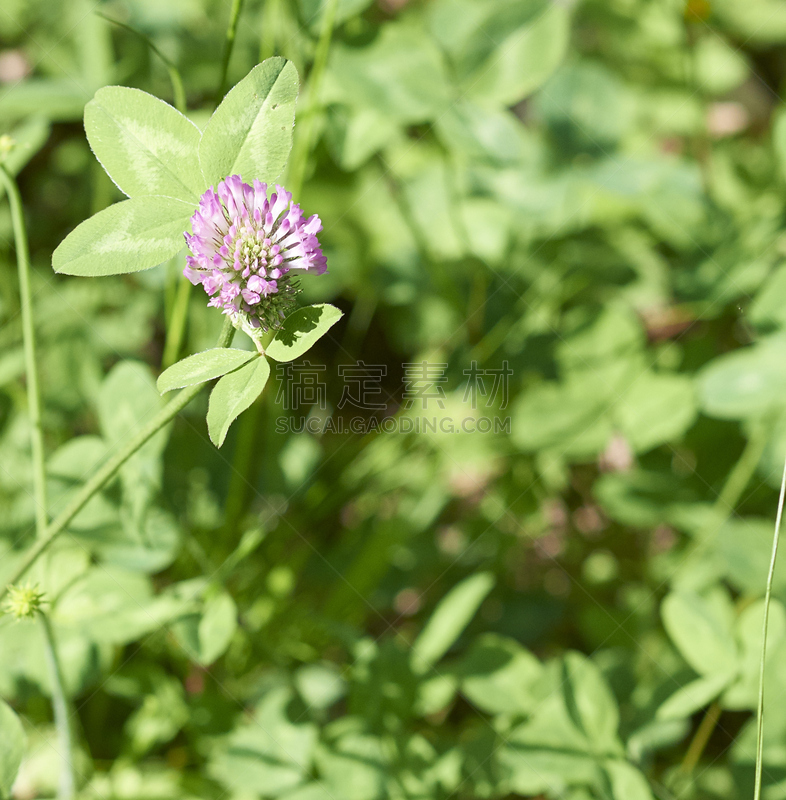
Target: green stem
744,469
178,91
106,472
234,16
767,595
302,146
28,336
177,322
732,490
67,782
267,42
701,738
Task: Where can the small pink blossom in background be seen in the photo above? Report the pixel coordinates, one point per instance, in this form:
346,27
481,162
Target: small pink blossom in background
726,119
14,66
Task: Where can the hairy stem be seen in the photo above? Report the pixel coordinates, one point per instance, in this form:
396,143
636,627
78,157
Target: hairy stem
302,146
67,782
178,92
28,336
234,17
110,467
767,595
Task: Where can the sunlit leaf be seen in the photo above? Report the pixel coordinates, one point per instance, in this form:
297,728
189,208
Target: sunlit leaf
301,329
129,236
146,146
250,133
202,367
232,395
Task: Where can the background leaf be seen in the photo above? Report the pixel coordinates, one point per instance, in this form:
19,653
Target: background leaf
701,630
216,627
449,619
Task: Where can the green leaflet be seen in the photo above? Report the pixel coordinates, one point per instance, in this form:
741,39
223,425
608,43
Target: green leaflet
217,626
449,619
12,747
701,629
693,696
250,133
232,395
129,236
206,634
146,146
401,74
269,753
301,330
746,383
524,60
202,367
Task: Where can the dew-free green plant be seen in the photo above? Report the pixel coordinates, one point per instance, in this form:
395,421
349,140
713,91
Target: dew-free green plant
586,197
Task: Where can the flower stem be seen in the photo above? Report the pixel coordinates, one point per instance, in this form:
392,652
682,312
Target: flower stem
67,783
767,595
234,17
110,467
28,335
302,146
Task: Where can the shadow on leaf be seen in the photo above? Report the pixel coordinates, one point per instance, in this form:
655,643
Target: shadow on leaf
299,323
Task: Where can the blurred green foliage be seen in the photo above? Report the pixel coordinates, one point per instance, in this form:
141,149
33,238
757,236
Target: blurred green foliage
592,193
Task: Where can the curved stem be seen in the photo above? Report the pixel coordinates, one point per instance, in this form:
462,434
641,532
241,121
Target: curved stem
28,336
67,782
302,147
178,92
234,16
106,472
767,595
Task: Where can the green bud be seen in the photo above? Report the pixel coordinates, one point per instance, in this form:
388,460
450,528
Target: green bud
24,602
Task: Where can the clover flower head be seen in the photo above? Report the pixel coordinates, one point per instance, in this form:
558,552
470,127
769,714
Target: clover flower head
24,602
246,248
